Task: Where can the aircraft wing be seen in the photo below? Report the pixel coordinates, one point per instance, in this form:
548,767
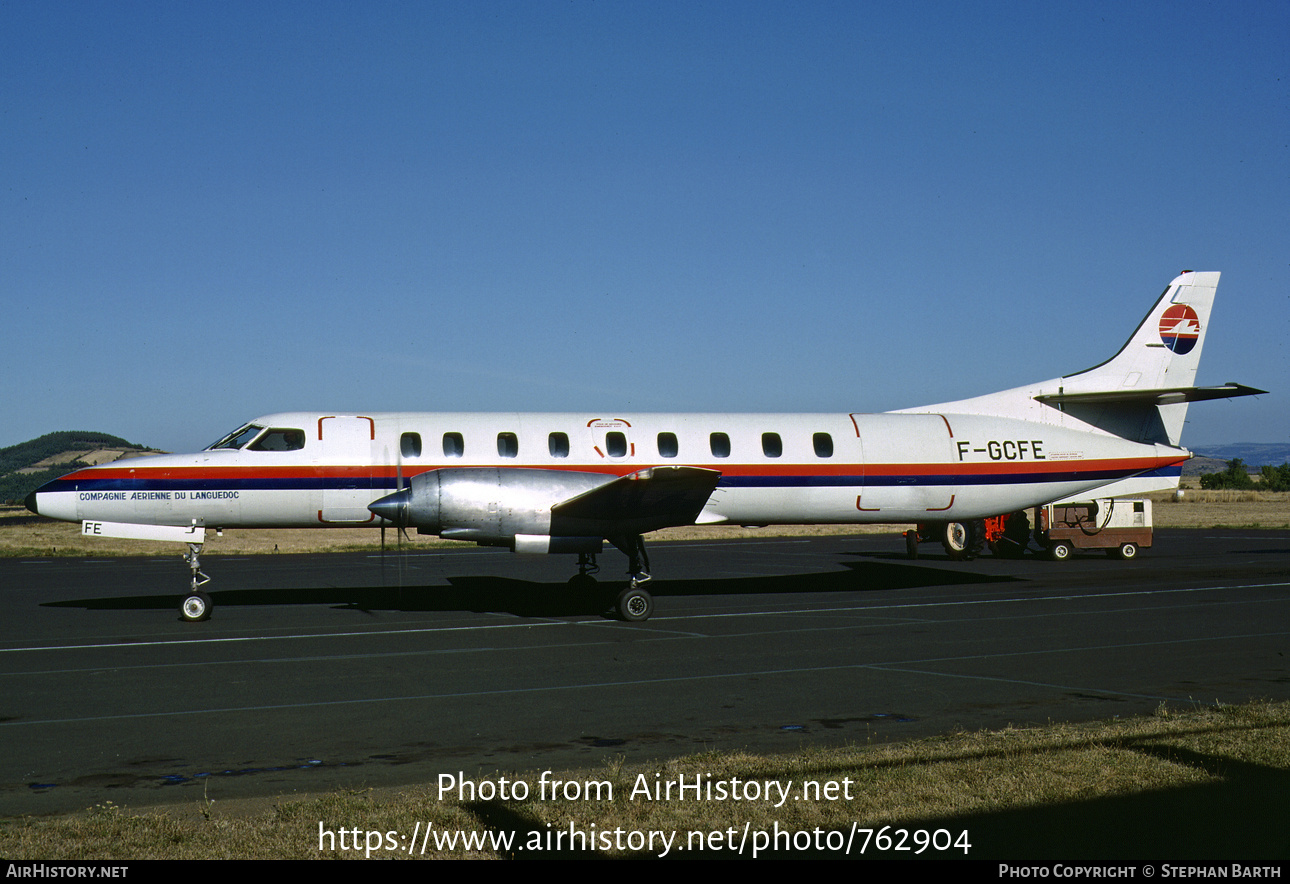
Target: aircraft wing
659,497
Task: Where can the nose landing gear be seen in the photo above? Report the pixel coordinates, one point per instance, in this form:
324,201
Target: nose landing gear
196,605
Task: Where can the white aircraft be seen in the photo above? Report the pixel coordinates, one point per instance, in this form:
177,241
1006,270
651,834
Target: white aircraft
566,483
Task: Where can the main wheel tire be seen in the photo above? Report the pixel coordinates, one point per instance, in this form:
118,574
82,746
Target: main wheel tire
911,544
584,591
1016,537
1006,548
963,540
954,537
1061,550
195,607
582,583
976,534
634,604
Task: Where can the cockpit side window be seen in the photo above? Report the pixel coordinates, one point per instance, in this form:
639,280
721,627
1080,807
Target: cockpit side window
279,440
238,438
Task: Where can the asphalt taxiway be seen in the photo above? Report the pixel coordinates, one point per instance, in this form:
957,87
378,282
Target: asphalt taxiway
352,670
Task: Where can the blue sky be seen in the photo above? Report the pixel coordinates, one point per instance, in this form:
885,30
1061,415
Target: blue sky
213,211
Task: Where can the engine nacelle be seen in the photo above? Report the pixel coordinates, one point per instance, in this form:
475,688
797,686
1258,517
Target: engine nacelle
491,506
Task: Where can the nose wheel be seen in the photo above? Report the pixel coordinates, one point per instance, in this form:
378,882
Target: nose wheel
195,606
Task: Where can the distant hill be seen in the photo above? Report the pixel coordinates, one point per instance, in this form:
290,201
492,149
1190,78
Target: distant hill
1201,465
1255,455
28,465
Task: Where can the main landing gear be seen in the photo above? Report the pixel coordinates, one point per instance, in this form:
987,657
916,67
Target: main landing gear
196,605
961,540
633,603
1006,536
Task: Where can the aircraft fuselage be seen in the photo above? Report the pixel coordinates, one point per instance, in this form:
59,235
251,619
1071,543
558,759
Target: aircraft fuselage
314,470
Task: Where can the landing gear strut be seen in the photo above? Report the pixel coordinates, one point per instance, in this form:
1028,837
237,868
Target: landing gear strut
634,603
196,605
586,568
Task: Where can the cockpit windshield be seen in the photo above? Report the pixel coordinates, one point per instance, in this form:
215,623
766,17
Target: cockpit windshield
237,438
253,437
279,439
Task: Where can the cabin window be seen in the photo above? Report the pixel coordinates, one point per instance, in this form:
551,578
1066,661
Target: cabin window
823,444
720,444
410,444
771,445
279,440
558,444
667,446
453,445
616,444
508,445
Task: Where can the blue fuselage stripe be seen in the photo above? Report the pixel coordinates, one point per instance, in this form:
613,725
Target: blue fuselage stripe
934,480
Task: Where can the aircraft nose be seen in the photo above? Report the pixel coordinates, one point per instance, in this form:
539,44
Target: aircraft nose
393,508
54,500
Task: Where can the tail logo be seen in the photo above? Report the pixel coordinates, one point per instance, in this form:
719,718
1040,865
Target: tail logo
1180,328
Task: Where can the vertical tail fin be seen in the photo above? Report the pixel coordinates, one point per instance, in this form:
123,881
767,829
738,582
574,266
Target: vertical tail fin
1142,392
1163,354
1164,351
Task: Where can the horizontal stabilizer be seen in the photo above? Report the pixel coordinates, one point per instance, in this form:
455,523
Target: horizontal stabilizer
647,500
1169,396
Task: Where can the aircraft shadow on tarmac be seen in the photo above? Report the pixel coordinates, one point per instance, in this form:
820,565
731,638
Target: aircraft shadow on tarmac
526,598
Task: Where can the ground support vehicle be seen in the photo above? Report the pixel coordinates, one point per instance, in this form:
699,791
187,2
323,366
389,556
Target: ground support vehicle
1121,526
